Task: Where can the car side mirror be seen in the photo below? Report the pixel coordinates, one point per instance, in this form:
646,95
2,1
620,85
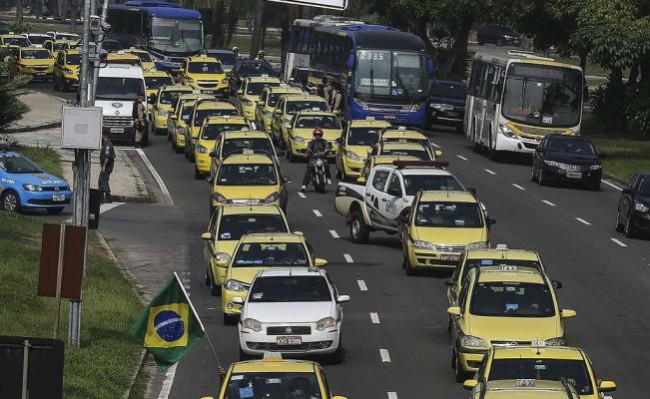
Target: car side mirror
261,103
277,112
454,311
207,236
361,179
606,386
152,98
568,313
212,154
173,117
238,300
450,282
437,153
222,262
557,284
343,298
470,384
472,191
320,262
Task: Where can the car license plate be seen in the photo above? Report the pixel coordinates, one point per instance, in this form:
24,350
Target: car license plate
449,258
389,116
208,91
117,130
288,341
573,175
58,198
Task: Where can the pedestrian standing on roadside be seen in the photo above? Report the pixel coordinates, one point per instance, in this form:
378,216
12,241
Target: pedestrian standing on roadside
106,161
139,121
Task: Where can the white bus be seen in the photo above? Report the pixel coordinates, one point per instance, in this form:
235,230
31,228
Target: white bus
514,101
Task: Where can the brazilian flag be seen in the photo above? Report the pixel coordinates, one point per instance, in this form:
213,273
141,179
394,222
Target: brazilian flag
169,326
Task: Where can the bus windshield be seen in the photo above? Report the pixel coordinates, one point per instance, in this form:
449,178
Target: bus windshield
398,74
543,95
173,35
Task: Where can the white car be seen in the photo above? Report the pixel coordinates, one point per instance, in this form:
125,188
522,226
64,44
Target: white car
295,311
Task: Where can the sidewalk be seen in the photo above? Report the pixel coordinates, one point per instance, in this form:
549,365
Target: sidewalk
44,112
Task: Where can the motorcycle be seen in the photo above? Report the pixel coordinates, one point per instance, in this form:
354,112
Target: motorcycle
319,175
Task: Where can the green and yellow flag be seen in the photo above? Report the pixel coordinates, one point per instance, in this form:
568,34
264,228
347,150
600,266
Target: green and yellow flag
169,326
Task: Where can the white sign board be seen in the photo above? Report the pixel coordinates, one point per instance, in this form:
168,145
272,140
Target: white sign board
333,4
81,128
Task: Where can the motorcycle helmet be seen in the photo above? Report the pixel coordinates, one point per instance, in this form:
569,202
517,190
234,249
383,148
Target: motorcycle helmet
235,49
318,132
261,53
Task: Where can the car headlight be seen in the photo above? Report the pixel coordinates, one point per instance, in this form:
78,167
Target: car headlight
222,256
326,322
596,167
235,285
558,341
299,139
353,156
476,245
32,187
162,112
506,131
219,198
251,324
637,206
362,104
201,150
441,107
247,102
470,341
286,123
552,163
69,71
418,244
271,198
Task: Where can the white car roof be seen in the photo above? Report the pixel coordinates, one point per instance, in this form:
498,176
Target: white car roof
121,71
292,271
416,170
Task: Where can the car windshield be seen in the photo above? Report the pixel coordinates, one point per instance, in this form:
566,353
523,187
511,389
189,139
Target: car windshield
363,136
59,46
255,88
644,186
19,165
322,121
273,385
16,41
290,289
512,299
205,67
509,264
448,90
273,99
255,69
37,39
247,175
419,154
233,227
297,106
571,146
35,55
574,371
449,214
168,96
186,113
73,59
144,57
543,95
227,59
271,254
415,183
204,113
156,82
176,35
257,145
213,130
119,88
393,74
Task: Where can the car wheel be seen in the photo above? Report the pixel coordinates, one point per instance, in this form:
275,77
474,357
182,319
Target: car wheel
358,229
339,175
215,290
54,211
229,320
208,279
10,201
532,173
629,229
619,226
197,175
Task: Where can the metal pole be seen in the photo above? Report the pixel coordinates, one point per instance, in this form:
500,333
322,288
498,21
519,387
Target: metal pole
98,47
25,393
59,282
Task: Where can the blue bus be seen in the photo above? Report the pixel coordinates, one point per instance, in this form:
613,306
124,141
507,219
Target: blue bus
170,33
382,71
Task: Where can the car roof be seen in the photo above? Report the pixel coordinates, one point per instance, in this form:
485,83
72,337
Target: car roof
262,79
238,209
252,134
177,87
236,159
497,274
202,58
216,105
314,113
72,51
369,123
390,132
283,88
153,74
506,254
223,119
542,389
274,366
414,170
292,271
545,352
272,237
303,97
388,159
447,196
392,145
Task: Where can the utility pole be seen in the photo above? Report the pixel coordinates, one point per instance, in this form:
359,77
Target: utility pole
98,49
19,10
257,32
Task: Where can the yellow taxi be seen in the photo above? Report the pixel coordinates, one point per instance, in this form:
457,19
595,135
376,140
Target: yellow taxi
178,120
11,39
442,224
302,128
267,102
275,378
356,141
54,46
204,109
227,225
238,142
249,93
153,80
402,134
122,56
163,102
249,178
524,389
403,148
543,363
288,106
500,306
35,62
146,61
211,129
66,69
256,252
205,74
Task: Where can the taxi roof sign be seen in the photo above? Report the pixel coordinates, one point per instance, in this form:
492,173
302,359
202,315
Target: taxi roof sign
272,356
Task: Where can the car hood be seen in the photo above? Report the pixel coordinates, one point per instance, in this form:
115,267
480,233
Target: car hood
328,134
244,274
41,179
226,246
457,102
37,62
643,199
572,159
116,107
360,150
288,312
452,236
246,192
515,328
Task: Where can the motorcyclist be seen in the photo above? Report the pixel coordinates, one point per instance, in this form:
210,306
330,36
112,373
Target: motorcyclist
235,50
316,145
260,55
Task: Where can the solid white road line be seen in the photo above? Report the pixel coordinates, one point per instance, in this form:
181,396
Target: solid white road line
435,145
334,234
392,395
317,213
515,185
581,220
107,207
301,194
156,176
490,172
614,186
167,384
374,317
348,258
547,202
619,242
362,285
385,356
462,157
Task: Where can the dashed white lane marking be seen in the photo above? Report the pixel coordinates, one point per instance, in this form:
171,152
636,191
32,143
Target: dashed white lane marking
462,157
614,186
547,202
348,258
156,177
619,242
317,213
490,172
581,220
362,285
392,395
334,234
517,186
301,194
385,356
209,308
374,317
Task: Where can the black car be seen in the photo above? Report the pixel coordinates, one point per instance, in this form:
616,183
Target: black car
299,77
633,213
245,68
568,158
446,103
498,35
227,57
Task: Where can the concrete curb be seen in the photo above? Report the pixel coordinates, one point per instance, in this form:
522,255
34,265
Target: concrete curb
614,178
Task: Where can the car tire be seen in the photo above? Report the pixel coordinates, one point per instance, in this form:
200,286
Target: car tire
541,179
628,229
532,173
459,373
10,201
197,175
207,278
410,271
229,320
359,231
54,211
619,226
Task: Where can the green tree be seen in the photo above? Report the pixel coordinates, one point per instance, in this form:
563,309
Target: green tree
11,108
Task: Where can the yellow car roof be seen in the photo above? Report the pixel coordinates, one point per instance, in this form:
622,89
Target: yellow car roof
315,113
273,366
263,79
135,50
155,74
251,134
284,89
244,159
538,389
121,55
72,51
510,254
388,159
369,123
399,134
202,58
223,119
497,274
546,352
402,146
272,237
216,105
239,209
447,196
303,97
177,87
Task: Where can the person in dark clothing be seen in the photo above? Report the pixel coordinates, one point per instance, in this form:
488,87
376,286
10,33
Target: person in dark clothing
140,123
316,145
106,161
336,99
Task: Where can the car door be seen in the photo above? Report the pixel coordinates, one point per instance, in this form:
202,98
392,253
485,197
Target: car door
627,198
342,146
375,192
276,122
209,249
392,201
59,66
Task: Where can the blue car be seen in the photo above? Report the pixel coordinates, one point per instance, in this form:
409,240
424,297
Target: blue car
24,185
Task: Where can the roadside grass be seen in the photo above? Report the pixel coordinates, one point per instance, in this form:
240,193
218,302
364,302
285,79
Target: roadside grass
45,157
103,366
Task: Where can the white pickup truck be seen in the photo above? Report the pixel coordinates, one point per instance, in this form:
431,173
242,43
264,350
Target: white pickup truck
383,200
